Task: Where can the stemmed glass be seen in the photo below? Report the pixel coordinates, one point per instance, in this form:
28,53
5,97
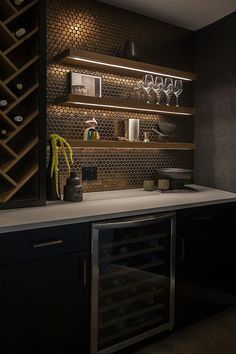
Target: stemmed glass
178,89
140,92
158,88
148,85
168,89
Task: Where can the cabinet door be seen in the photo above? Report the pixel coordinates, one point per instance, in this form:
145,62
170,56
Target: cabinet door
44,306
227,244
197,265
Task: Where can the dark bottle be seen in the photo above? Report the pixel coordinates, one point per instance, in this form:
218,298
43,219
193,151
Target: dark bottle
19,86
73,191
20,32
18,119
3,103
131,50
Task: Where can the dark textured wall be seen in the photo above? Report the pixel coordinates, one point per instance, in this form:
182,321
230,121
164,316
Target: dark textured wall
97,27
215,122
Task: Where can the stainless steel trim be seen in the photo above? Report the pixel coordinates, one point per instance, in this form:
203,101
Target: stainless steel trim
46,243
172,270
132,222
94,292
135,339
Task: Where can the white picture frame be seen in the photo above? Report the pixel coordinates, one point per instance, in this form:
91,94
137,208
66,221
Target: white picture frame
87,85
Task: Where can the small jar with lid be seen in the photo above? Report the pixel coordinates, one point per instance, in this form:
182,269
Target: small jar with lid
73,191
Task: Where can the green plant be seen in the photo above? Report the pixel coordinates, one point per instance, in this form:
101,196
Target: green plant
58,142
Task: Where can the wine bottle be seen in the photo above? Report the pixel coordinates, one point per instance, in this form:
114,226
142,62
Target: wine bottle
3,103
18,119
3,134
19,86
20,32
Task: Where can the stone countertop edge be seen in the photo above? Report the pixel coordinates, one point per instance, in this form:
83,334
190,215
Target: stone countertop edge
29,218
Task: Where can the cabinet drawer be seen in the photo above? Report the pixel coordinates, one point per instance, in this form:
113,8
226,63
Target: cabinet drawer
34,244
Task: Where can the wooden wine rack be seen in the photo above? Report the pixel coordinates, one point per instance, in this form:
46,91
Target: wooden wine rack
20,62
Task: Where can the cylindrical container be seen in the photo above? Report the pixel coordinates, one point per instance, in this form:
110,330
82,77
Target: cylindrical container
148,185
132,129
163,184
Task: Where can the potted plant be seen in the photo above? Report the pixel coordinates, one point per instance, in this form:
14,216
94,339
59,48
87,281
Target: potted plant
57,143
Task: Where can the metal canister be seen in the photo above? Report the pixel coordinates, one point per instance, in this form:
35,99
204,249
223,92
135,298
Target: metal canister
132,129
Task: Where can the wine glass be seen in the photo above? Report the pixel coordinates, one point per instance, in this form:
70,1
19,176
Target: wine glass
158,88
178,89
168,89
140,92
148,84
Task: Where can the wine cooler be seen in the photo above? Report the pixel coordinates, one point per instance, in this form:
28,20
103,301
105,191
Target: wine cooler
132,280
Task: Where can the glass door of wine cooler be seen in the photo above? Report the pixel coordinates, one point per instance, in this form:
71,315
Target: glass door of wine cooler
132,280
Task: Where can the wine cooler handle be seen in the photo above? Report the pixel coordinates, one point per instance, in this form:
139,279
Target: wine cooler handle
84,272
182,240
135,221
40,244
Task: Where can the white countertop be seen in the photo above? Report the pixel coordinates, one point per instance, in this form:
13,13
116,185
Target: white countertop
107,205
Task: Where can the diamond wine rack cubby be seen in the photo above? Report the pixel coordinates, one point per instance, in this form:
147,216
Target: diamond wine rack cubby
21,107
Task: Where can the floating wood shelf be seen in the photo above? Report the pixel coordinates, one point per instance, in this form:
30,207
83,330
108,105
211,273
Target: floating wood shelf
19,151
115,64
131,145
111,104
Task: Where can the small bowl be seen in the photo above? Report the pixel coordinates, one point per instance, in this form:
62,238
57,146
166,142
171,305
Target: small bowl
167,128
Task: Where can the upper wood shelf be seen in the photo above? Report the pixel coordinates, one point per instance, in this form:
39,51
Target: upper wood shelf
115,64
111,104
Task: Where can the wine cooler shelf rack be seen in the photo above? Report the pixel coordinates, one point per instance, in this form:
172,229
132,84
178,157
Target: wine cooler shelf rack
19,100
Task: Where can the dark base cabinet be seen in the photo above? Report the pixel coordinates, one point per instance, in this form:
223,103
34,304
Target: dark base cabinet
44,301
205,262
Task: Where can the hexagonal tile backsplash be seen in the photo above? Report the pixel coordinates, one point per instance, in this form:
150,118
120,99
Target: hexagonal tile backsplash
97,27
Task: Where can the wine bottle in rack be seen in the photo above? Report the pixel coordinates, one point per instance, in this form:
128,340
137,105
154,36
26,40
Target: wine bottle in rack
3,103
20,32
3,134
18,119
19,86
